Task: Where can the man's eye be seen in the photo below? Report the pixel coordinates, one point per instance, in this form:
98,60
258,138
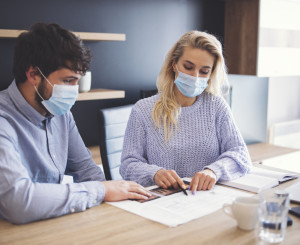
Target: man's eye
67,81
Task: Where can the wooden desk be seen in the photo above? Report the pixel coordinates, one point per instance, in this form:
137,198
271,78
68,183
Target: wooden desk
279,157
263,151
106,224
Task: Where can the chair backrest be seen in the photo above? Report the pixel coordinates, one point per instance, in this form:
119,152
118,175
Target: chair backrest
147,93
285,134
112,126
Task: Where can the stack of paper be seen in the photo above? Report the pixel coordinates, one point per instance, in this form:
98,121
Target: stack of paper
177,208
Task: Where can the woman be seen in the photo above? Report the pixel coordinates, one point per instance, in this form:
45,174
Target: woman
187,129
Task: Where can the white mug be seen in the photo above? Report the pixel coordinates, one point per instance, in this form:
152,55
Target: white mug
244,210
85,82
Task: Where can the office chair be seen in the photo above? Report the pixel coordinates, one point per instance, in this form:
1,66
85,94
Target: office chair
147,93
112,126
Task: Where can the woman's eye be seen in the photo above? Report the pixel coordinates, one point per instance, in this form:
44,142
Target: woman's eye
204,72
67,81
188,67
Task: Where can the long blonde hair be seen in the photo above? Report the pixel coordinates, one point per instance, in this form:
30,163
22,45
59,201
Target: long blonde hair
166,109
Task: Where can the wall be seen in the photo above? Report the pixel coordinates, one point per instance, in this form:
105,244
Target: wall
279,33
151,28
259,102
249,104
284,99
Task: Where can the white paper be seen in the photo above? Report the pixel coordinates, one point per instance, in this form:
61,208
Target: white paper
259,179
178,208
280,176
252,182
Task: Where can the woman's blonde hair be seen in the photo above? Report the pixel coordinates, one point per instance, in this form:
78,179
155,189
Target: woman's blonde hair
166,109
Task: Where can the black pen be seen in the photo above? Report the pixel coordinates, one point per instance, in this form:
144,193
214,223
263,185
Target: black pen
184,191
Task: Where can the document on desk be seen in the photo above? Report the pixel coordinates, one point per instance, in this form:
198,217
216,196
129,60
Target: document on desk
177,208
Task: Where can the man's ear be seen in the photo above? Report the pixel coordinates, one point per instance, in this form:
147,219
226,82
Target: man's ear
33,76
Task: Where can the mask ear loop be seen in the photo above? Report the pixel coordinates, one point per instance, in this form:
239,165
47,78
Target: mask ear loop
44,76
46,80
38,93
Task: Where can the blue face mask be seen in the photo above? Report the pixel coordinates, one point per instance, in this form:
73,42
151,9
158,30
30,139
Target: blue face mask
62,99
190,86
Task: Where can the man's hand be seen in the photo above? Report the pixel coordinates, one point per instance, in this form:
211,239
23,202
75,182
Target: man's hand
168,178
203,180
118,190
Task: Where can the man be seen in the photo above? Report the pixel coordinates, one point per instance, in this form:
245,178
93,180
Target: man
39,140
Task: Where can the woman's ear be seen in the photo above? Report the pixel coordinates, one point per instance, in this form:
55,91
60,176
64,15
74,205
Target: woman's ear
33,76
174,66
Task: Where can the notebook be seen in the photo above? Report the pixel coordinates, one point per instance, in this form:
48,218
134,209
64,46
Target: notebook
259,179
294,191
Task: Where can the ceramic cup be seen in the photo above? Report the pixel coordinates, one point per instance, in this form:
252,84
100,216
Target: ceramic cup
85,82
244,210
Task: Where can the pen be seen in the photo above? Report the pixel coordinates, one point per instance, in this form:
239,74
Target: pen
184,191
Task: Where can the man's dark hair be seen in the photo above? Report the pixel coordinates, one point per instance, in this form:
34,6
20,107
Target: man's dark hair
49,47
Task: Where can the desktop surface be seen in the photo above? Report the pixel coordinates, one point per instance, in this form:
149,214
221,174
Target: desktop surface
106,224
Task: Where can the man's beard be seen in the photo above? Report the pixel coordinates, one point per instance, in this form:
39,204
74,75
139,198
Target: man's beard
41,89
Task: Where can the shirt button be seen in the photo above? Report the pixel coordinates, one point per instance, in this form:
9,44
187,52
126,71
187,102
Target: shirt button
72,210
53,156
95,201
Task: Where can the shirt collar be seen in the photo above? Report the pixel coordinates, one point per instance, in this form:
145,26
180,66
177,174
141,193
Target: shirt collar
23,106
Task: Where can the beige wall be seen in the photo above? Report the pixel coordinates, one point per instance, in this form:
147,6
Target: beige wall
283,99
250,106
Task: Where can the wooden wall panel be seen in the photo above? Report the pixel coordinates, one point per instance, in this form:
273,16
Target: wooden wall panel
262,37
241,36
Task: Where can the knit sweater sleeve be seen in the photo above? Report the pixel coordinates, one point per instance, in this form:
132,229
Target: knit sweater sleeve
234,160
134,163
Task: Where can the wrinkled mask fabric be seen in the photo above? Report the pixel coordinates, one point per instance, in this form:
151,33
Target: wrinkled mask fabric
62,99
190,86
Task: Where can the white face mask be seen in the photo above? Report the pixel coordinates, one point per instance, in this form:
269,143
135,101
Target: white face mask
190,86
62,99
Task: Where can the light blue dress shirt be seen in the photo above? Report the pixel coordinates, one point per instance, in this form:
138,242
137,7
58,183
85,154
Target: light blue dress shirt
35,153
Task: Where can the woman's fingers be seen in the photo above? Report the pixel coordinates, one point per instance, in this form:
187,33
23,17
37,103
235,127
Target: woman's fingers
203,180
168,178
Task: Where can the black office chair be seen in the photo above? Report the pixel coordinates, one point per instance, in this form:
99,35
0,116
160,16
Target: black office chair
112,126
147,93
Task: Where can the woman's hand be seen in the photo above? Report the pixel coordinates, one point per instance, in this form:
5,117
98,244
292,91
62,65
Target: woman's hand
168,178
203,180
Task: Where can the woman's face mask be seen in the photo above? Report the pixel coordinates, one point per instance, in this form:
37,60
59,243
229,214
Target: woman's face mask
190,86
62,99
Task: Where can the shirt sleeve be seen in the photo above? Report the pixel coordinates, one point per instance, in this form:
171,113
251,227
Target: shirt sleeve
134,164
234,160
23,201
80,163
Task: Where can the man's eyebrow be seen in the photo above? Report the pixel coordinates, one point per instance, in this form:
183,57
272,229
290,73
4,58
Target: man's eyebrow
72,77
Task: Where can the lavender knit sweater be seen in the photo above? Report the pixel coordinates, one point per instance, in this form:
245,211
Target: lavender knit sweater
206,137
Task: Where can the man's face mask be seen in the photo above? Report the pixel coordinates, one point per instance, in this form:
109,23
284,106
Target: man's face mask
62,99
